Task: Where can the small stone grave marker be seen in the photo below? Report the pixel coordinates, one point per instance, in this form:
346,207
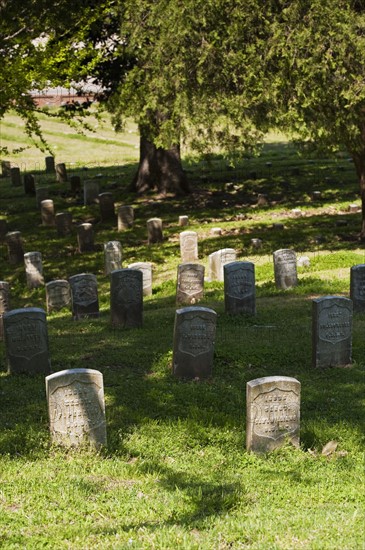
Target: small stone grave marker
190,283
112,256
15,176
331,331
217,260
183,220
63,223
126,298
154,230
84,295
106,205
285,268
125,217
239,288
75,183
26,341
76,408
4,304
146,269
194,335
33,269
85,237
91,191
15,247
357,287
5,168
61,172
273,413
188,246
47,213
29,184
58,295
50,164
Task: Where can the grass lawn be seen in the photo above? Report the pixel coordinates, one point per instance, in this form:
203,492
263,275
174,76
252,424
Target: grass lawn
175,473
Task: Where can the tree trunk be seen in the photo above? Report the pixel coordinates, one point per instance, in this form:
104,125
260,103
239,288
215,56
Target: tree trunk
159,169
359,161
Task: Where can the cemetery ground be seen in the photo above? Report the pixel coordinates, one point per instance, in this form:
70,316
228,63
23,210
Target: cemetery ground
175,472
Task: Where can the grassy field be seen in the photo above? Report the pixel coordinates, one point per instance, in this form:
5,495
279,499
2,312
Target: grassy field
175,473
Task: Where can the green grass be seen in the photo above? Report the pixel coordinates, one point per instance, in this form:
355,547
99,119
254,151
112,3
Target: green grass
175,473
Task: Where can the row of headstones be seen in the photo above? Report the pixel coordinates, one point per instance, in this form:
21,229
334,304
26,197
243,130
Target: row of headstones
76,409
26,334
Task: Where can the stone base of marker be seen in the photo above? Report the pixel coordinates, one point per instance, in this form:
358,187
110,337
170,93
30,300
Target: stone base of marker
76,408
331,331
126,298
26,341
84,296
239,288
273,413
194,335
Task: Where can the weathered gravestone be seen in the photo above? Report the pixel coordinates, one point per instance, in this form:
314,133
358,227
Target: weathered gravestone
58,295
239,288
29,184
331,331
50,164
15,176
194,335
188,246
63,223
125,217
84,295
4,304
273,413
47,213
217,260
126,298
76,408
112,256
15,247
146,269
75,183
357,287
154,230
91,191
41,194
285,269
85,237
106,205
183,220
5,168
26,341
61,173
190,283
33,269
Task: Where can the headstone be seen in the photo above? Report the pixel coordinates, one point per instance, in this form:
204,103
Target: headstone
50,165
353,208
84,295
61,173
256,243
194,335
188,246
75,182
297,213
58,295
41,194
303,261
273,413
112,256
15,176
15,247
146,269
154,230
262,200
5,168
285,268
33,269
183,220
63,223
76,408
190,283
4,304
125,217
85,237
216,231
91,191
316,195
278,226
357,287
106,205
3,228
331,331
239,288
47,213
29,184
217,260
126,298
26,341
